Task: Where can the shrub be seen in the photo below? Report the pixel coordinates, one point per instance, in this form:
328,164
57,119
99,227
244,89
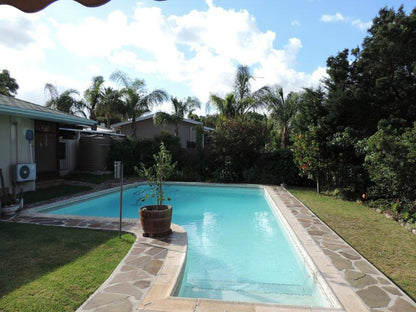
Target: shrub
172,143
132,152
275,168
227,172
234,147
391,163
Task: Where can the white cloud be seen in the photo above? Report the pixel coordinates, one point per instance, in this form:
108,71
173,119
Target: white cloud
357,23
209,3
337,17
24,38
94,37
295,23
199,50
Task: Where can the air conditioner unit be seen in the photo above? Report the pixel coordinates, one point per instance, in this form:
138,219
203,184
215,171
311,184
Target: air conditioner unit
25,172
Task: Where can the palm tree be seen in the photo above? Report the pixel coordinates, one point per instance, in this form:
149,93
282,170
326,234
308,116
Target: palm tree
241,100
226,106
181,107
135,97
281,110
93,94
242,91
64,102
110,104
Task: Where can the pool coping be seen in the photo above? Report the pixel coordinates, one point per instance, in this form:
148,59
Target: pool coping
159,297
314,236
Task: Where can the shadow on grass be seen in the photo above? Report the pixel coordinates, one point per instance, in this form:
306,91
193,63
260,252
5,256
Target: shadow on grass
53,192
29,252
89,178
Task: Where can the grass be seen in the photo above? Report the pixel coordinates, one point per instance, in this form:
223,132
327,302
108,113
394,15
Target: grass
386,244
55,269
90,178
53,192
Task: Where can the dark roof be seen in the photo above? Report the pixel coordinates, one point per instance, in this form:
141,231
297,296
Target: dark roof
141,118
15,107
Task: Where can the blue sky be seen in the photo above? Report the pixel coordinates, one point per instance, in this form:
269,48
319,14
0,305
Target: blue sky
187,47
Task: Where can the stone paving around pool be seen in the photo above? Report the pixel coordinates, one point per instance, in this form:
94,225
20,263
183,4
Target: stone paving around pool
377,292
146,277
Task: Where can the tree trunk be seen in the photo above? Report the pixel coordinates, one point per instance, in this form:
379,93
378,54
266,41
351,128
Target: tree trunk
284,138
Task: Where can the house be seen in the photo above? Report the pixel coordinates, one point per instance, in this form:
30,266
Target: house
32,144
146,129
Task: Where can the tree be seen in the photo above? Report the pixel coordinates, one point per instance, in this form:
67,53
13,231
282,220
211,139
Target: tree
225,106
157,174
64,102
391,162
242,91
135,97
93,95
281,110
309,139
240,101
363,86
8,85
110,104
386,67
234,147
181,107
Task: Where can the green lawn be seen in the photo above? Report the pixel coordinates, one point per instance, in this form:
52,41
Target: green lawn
90,178
385,243
45,268
53,192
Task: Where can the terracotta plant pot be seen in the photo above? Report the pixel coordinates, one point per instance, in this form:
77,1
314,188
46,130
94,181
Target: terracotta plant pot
156,220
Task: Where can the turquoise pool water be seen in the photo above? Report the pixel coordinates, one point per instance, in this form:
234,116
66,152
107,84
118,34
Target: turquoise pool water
237,247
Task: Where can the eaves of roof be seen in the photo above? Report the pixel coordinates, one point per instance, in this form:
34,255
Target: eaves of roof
148,117
16,107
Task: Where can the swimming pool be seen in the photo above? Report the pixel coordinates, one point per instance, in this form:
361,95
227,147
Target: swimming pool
238,248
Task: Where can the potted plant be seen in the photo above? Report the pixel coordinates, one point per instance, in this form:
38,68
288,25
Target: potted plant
156,219
10,203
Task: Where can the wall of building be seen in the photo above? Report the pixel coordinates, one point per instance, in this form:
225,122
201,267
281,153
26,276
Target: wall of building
70,162
145,129
187,133
46,149
14,149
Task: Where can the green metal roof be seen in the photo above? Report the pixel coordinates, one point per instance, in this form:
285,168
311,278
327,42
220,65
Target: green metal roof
15,107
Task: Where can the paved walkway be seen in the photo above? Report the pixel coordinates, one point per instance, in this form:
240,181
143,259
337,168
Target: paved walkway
377,292
133,277
125,289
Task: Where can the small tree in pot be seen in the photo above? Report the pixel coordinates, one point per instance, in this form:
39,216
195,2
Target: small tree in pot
156,219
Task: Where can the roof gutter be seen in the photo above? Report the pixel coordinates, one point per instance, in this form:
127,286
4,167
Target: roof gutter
21,112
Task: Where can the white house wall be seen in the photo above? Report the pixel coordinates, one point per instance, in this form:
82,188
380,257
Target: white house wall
14,149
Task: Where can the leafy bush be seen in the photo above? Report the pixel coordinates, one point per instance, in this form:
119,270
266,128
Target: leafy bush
157,174
187,174
275,168
227,172
391,163
172,143
234,147
333,161
133,152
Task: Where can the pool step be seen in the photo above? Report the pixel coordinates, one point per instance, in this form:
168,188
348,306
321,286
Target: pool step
249,287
